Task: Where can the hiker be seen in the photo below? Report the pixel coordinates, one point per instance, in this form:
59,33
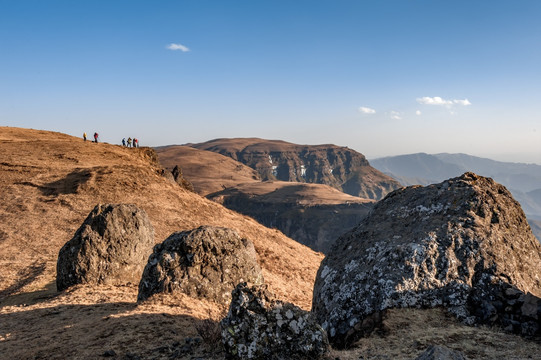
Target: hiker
129,142
96,137
84,136
123,141
135,142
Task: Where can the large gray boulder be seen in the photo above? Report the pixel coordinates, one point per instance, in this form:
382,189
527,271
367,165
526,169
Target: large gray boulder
206,262
258,326
110,247
463,244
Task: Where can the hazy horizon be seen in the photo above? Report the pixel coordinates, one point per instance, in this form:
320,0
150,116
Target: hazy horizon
384,78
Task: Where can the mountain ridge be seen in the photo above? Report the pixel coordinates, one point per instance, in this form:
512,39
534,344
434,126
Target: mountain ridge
337,166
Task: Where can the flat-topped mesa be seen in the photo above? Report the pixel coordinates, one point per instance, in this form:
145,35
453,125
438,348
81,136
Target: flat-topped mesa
463,244
337,166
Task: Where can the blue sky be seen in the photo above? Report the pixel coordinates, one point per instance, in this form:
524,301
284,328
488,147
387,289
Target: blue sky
382,77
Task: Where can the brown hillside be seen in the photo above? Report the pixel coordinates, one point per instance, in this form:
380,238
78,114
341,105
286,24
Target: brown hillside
49,183
206,170
302,193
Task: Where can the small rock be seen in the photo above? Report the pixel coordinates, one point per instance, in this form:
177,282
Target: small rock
436,352
109,353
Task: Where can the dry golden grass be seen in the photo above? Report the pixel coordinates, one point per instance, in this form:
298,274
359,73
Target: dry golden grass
49,183
409,332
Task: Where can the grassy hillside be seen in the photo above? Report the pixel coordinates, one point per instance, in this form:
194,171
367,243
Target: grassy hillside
49,182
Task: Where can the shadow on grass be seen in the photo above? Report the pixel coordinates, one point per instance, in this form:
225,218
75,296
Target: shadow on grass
120,330
25,276
68,185
31,298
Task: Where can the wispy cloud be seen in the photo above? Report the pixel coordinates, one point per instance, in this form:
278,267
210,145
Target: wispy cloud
366,110
436,100
464,102
418,112
395,115
180,47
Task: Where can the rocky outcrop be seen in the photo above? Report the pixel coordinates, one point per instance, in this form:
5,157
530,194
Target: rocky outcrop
175,176
340,167
110,247
312,214
179,179
460,244
206,262
260,327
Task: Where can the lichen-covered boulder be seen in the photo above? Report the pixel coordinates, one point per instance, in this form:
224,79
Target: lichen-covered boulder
459,244
258,326
206,262
111,247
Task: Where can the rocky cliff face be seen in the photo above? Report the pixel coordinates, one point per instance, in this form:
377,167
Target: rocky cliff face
463,244
339,167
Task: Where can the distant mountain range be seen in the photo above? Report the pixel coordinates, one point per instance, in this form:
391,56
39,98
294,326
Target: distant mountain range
523,180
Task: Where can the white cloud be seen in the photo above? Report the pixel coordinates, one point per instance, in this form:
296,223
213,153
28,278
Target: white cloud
366,110
418,112
395,115
436,100
180,47
464,102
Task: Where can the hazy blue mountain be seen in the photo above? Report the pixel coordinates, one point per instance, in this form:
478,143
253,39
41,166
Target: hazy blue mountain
535,195
417,169
523,180
519,176
536,227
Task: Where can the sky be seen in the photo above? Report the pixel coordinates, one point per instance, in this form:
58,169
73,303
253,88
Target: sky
381,77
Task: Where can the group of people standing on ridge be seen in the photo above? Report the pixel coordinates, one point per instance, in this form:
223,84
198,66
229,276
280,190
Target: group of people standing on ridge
96,135
130,142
